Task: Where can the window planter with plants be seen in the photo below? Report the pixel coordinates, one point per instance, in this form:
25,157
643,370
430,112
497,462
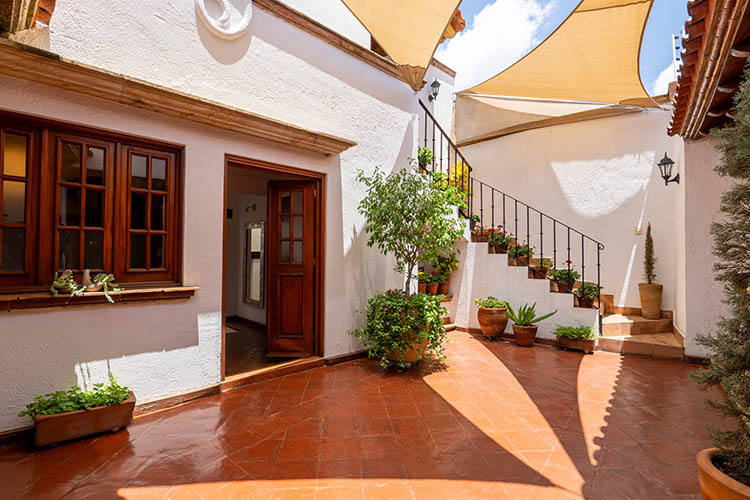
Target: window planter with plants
525,323
520,255
649,291
587,295
408,216
491,316
499,240
66,284
577,338
65,415
563,280
724,471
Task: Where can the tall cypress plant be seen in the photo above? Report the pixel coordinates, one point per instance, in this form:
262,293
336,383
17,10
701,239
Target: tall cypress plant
649,260
729,345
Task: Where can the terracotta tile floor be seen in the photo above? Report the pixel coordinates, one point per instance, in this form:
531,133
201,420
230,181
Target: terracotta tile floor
498,421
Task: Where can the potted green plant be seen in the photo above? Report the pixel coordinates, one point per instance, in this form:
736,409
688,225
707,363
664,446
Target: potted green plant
474,222
64,283
587,295
724,471
426,158
422,281
499,240
649,291
491,316
445,265
539,268
65,415
578,338
408,215
563,280
102,282
525,323
520,255
432,283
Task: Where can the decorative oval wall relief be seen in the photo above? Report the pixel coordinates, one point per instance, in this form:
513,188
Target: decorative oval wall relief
226,19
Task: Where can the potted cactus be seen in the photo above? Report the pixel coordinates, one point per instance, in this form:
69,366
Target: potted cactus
525,323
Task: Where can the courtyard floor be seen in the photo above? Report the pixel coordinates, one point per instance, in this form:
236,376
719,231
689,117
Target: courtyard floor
497,421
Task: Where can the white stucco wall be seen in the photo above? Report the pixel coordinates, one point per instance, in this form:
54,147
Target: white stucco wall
334,15
601,178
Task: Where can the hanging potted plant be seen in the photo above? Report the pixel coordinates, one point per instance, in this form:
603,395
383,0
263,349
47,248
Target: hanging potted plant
491,316
577,338
587,295
525,323
520,255
563,280
649,291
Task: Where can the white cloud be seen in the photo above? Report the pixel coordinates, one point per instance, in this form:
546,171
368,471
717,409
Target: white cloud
661,85
501,33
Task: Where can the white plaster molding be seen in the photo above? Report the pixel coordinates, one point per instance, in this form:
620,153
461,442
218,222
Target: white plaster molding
231,24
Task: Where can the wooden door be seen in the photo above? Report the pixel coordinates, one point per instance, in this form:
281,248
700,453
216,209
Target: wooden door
290,321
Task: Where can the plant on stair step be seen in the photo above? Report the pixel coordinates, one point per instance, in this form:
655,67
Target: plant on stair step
579,338
425,158
587,294
445,265
562,280
520,255
650,292
499,239
491,316
525,323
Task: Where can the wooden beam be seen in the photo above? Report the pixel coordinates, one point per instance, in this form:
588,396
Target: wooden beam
26,63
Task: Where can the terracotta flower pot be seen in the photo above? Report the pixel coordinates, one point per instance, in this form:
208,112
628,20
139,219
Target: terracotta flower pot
584,302
525,335
421,287
561,287
492,321
442,288
715,485
650,300
414,353
432,288
585,345
537,273
491,248
49,429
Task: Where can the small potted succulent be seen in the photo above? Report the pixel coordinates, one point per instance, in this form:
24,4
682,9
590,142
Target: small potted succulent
491,316
577,338
649,291
563,280
520,255
499,240
525,323
587,295
64,283
539,268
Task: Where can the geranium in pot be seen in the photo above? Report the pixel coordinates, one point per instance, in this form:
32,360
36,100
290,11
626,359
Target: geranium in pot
539,268
520,255
578,338
525,323
491,316
408,216
563,280
587,295
499,240
649,291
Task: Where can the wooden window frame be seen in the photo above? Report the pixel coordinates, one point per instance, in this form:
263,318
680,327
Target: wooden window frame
42,200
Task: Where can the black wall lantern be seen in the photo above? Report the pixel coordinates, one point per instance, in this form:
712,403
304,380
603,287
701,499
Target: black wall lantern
435,85
665,167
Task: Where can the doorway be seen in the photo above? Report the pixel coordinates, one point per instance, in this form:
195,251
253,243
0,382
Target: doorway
273,273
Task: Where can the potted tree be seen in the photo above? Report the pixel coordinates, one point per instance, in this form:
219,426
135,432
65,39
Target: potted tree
578,338
563,280
491,316
724,471
65,415
407,215
525,323
587,295
649,291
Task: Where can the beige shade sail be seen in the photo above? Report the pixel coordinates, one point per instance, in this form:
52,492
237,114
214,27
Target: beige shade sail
592,56
408,31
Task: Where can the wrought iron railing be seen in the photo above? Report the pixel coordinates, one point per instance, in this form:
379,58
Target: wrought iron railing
491,209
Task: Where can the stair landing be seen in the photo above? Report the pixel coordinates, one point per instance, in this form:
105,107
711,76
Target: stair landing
615,325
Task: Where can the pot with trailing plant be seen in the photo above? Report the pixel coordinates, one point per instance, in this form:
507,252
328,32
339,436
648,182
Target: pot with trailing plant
491,316
563,280
577,338
587,295
525,323
539,268
520,255
649,291
65,415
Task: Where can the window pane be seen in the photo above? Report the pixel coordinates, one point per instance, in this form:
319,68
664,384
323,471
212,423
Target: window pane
158,174
284,252
94,249
13,249
137,251
157,251
70,206
138,173
299,206
95,166
157,212
94,208
138,210
70,170
69,250
298,225
285,226
297,252
14,156
14,202
286,202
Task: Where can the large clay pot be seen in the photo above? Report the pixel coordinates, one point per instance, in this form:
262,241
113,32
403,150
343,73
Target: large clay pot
525,335
443,288
51,429
411,355
650,300
715,485
492,321
432,288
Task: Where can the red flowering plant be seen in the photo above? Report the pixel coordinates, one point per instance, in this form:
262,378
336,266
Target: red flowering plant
499,238
520,251
565,275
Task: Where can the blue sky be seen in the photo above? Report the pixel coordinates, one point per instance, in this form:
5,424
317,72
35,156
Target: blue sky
541,17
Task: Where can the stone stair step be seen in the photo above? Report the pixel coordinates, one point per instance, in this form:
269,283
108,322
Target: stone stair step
660,345
614,325
449,327
446,298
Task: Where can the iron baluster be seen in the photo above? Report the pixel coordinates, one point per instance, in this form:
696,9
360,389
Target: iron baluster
571,282
541,241
504,228
492,220
554,243
583,267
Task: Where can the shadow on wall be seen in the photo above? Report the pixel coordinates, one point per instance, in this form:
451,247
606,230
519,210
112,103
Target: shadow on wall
224,51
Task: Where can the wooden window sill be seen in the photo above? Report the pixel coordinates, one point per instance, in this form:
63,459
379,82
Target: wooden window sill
15,302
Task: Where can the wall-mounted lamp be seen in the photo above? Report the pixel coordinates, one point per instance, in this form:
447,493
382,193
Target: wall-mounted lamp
665,167
435,85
